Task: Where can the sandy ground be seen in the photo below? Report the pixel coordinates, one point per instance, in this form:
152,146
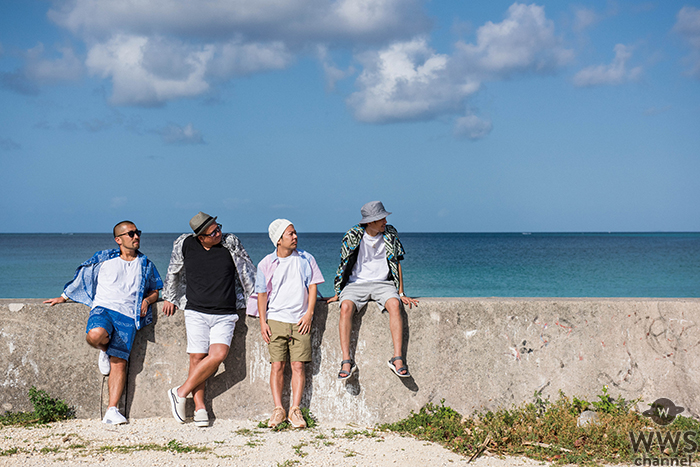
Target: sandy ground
226,443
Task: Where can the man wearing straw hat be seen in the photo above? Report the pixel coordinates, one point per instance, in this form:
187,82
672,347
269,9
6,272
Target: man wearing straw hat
370,269
210,276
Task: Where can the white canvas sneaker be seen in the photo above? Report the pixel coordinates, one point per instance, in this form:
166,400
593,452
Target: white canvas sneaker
177,405
103,363
113,417
201,418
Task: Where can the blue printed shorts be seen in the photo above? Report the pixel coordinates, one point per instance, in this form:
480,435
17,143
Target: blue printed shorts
121,330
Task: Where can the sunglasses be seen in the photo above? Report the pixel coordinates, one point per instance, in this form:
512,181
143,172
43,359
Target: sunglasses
131,233
216,231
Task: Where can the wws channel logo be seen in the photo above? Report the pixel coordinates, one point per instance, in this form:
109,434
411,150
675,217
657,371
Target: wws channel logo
663,412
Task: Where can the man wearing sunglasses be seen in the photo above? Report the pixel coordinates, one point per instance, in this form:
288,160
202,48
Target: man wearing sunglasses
210,276
119,286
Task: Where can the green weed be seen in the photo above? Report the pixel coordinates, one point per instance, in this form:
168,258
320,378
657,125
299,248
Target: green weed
47,409
543,430
298,451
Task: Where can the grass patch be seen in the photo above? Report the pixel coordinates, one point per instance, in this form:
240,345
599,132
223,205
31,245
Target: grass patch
172,446
544,430
288,463
47,409
298,451
354,433
9,452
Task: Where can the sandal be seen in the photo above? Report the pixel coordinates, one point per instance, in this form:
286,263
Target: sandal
398,371
346,374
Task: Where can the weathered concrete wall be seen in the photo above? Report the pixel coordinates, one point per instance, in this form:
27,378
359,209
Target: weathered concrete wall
475,353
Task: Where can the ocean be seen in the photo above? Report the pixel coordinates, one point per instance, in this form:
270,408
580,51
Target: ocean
436,264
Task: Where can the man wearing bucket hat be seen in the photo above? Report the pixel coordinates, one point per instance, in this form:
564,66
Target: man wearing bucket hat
210,276
286,286
370,269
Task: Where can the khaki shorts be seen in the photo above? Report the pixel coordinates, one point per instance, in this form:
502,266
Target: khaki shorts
285,339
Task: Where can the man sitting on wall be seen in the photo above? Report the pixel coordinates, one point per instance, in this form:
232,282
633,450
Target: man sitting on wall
370,269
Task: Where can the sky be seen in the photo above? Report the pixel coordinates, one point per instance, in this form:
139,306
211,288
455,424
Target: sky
460,116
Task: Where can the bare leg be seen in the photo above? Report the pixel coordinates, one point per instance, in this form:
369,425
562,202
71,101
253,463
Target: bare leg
396,327
202,370
277,382
198,392
98,338
347,308
298,381
117,380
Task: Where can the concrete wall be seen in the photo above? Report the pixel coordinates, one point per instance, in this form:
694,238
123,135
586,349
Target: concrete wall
475,353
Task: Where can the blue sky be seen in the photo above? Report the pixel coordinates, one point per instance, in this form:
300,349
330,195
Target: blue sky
460,116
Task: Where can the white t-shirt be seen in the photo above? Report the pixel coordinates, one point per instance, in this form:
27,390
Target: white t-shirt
371,265
289,299
118,286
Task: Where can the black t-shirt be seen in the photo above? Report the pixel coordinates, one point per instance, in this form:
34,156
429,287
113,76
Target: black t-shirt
211,278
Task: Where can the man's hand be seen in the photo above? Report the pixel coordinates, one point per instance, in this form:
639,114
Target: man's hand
265,331
168,308
409,301
144,307
305,323
332,299
53,301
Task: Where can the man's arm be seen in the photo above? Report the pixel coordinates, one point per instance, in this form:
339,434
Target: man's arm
305,321
148,300
262,311
54,301
406,300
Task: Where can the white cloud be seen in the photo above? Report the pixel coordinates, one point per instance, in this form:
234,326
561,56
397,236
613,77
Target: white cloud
472,127
688,26
176,134
37,70
523,42
331,71
608,75
67,67
585,18
236,58
410,81
157,51
254,20
136,82
407,81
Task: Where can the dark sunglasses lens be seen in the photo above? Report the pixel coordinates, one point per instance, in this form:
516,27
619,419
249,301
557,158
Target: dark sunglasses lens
134,232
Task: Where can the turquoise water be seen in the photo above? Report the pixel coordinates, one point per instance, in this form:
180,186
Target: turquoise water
436,264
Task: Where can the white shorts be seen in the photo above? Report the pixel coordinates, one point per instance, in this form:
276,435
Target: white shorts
204,329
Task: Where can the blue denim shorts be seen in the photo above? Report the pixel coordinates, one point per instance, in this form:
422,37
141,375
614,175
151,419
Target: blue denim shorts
121,330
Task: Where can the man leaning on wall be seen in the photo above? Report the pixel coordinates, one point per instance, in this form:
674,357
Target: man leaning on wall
210,276
119,286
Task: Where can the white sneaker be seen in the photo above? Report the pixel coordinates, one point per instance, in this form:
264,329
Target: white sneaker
177,405
113,417
103,363
201,418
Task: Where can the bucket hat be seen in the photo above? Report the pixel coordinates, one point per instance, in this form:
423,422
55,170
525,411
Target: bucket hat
373,211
